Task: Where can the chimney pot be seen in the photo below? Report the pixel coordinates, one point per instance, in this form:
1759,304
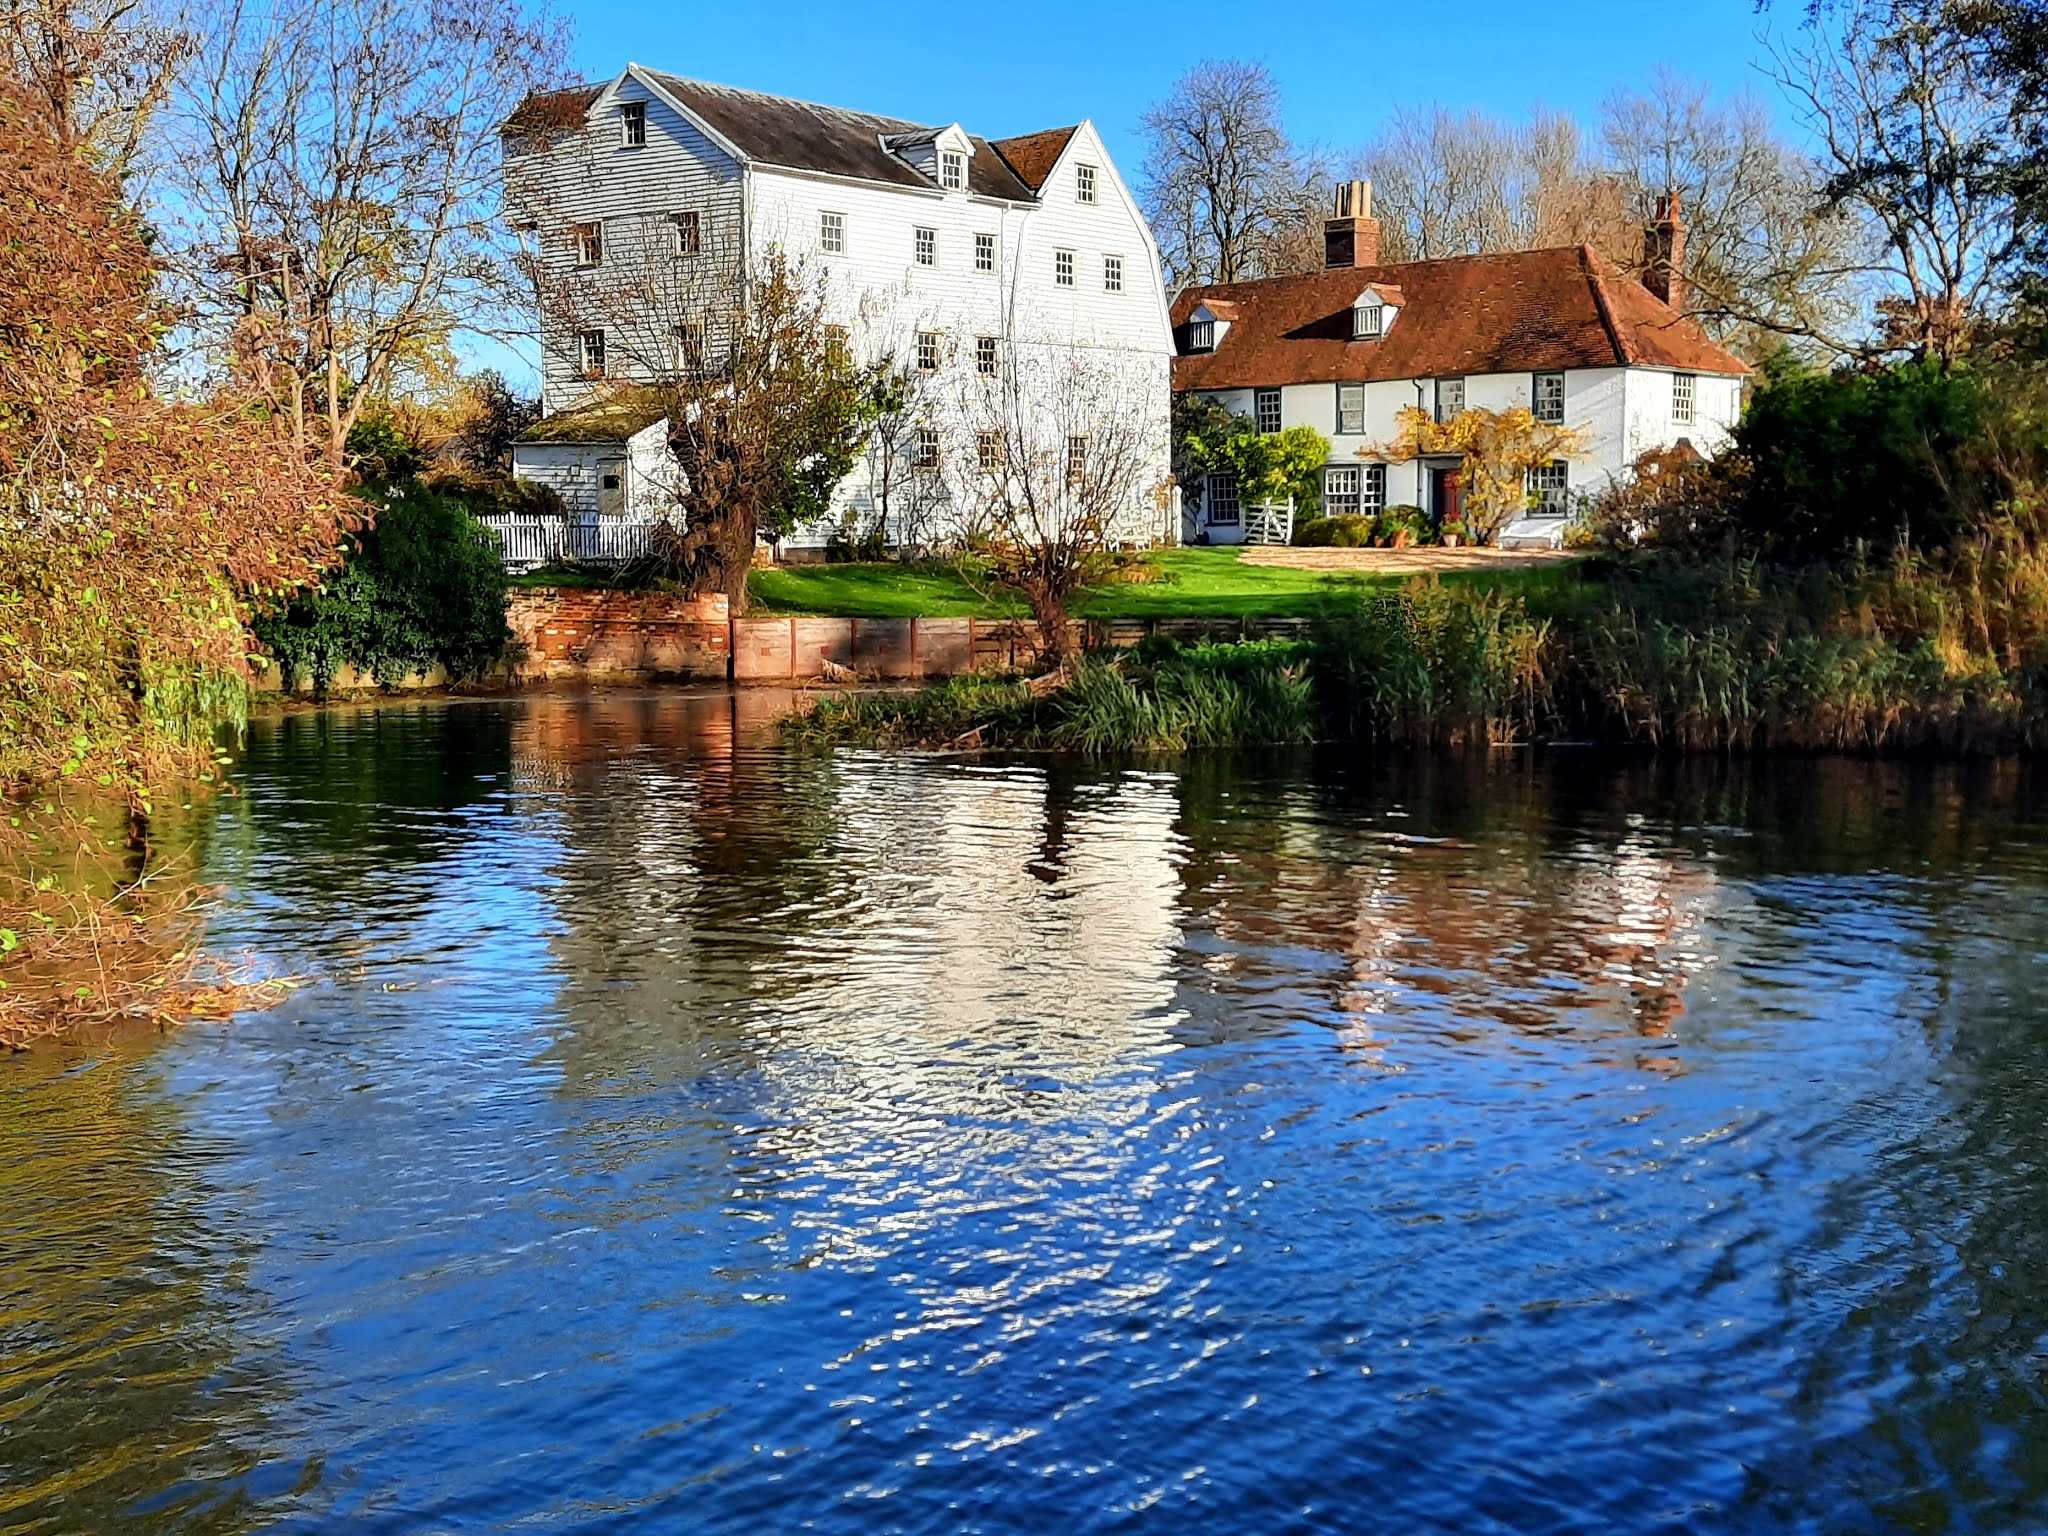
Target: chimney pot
1352,238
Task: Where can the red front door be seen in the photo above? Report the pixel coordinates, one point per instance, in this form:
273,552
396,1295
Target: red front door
1447,496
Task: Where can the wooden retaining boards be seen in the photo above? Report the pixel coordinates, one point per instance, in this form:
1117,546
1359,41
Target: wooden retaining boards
569,634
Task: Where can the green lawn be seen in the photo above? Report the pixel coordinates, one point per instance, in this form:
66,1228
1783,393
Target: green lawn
1205,583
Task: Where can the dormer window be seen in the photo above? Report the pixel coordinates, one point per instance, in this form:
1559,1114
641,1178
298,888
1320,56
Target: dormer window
1368,320
1201,335
632,124
952,170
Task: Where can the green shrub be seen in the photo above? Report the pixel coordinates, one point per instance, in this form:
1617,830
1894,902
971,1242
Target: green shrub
425,584
1347,530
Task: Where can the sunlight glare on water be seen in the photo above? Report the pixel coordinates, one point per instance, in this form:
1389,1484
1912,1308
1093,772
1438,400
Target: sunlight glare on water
682,1133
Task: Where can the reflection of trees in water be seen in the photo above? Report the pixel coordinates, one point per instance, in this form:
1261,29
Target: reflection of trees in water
354,800
131,1397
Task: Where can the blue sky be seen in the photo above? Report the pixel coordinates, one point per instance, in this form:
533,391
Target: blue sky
1020,66
1045,63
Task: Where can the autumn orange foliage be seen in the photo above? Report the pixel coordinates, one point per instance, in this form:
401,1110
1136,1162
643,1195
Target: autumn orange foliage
135,532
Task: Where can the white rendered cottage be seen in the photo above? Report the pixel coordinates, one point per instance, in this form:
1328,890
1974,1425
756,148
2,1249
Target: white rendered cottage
960,258
1557,331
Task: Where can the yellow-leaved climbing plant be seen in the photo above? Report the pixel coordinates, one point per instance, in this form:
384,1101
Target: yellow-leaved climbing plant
1499,449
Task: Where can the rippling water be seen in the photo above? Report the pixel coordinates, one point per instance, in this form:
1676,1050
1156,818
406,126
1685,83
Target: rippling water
682,1134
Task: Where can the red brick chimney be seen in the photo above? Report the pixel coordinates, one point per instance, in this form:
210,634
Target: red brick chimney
1352,238
1664,252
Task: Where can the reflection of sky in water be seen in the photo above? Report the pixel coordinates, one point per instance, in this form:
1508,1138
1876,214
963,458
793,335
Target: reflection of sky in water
683,1134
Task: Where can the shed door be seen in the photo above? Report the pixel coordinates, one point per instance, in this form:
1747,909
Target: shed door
611,487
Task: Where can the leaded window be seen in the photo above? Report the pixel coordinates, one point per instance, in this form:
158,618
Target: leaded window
1547,397
1684,398
1350,410
1340,489
1450,399
1220,496
1550,488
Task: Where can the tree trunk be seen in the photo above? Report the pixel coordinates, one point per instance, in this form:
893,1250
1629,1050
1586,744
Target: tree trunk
1057,640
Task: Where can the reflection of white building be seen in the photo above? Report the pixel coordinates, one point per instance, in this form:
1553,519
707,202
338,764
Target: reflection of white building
961,258
1557,332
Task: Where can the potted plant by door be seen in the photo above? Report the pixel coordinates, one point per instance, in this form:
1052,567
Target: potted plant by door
1453,534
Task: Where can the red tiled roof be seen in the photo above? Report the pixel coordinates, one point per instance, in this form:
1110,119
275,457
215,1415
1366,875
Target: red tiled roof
1511,313
1032,155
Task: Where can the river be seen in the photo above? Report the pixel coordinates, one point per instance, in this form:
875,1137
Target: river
679,1133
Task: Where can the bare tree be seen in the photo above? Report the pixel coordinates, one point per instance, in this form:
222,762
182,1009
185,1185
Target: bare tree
337,192
1765,255
1228,194
101,70
1069,462
1917,133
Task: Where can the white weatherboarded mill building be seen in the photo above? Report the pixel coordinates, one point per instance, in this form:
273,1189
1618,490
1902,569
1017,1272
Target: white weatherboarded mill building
961,259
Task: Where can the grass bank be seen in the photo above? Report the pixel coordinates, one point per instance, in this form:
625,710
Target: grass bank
1691,654
1158,698
1189,583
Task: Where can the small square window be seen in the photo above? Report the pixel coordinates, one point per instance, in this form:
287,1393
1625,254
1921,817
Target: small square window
985,355
1202,336
589,245
1450,399
1084,183
1684,398
590,353
1368,322
1546,400
988,451
832,233
1063,269
1112,274
1266,409
927,247
1350,410
632,124
952,170
1077,458
689,346
927,351
689,235
925,449
984,253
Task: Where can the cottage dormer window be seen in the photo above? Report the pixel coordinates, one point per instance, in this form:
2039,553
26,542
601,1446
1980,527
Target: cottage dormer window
1202,336
952,170
1368,320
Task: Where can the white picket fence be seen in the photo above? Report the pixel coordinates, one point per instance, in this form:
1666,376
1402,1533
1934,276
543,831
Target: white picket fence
573,538
1270,522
